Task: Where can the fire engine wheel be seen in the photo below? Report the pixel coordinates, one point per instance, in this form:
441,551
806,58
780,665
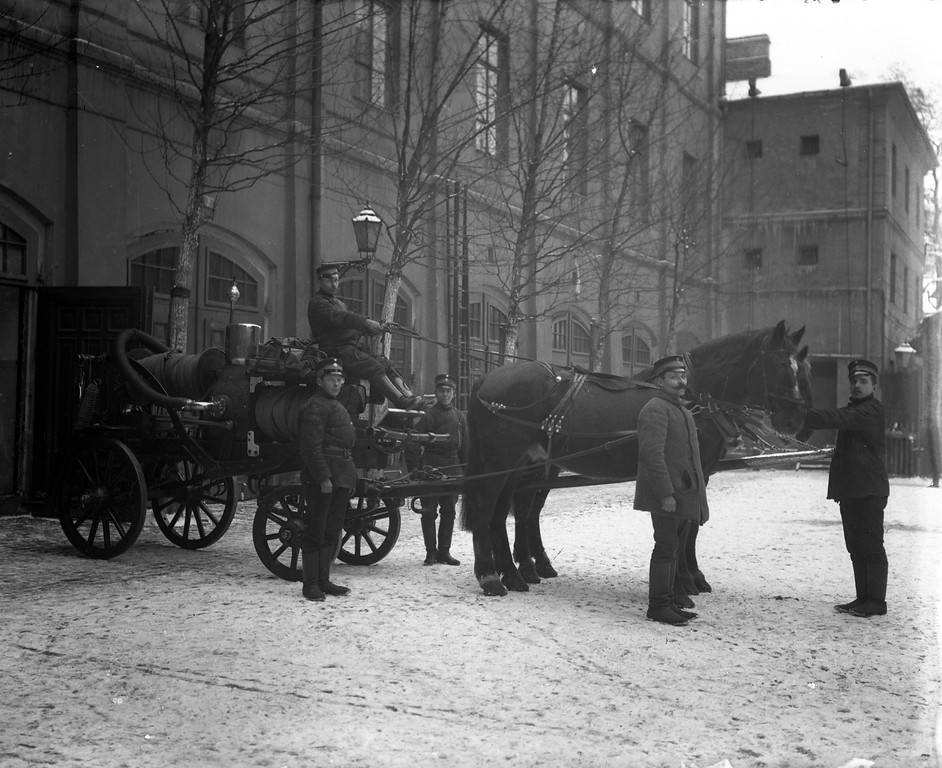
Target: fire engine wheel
100,496
277,529
369,533
192,510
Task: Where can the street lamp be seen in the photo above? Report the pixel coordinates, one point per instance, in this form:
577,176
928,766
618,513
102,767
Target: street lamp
366,229
903,354
233,298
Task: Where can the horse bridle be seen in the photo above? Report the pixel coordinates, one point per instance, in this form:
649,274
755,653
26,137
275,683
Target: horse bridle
768,395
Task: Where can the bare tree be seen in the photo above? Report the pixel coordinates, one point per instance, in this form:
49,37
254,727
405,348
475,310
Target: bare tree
230,74
420,100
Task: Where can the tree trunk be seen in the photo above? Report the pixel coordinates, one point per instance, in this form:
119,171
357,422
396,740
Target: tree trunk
932,354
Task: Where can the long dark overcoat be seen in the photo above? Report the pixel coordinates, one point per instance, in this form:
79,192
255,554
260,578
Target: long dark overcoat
858,466
669,460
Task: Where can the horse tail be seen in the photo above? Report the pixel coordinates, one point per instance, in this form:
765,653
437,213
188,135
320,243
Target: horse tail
471,502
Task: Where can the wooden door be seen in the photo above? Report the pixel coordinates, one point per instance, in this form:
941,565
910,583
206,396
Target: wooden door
71,321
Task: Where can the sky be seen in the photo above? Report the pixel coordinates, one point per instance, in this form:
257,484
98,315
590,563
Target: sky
811,40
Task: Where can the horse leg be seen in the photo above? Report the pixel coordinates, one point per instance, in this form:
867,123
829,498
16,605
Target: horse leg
500,544
478,514
523,506
535,535
691,555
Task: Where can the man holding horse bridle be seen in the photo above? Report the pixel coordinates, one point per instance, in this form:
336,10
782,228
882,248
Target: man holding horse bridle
857,480
670,483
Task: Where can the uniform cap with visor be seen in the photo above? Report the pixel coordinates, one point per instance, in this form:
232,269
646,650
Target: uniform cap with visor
670,363
862,366
330,365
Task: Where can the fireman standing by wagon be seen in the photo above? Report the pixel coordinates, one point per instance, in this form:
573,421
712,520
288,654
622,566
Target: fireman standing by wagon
449,456
328,477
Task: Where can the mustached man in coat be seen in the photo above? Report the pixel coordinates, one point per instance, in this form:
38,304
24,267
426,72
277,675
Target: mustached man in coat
857,480
670,483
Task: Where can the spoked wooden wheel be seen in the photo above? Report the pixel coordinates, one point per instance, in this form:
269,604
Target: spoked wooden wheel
100,496
192,510
277,530
370,531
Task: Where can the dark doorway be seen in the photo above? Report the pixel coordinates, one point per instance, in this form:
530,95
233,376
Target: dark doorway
71,321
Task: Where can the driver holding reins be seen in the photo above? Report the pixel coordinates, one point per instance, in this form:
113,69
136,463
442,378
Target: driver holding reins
344,334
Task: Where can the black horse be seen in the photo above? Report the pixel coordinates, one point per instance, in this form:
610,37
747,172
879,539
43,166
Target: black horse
531,414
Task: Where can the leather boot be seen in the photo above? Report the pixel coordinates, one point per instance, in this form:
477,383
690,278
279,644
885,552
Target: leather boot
875,602
392,393
693,566
327,586
659,595
678,593
310,574
445,530
428,535
860,583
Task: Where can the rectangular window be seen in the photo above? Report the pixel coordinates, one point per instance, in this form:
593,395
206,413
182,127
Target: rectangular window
575,136
906,189
495,319
474,320
807,255
639,173
754,149
906,290
373,55
690,30
892,278
690,194
809,145
893,170
752,258
490,88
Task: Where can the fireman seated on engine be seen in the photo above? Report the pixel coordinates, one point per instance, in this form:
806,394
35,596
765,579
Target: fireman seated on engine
344,334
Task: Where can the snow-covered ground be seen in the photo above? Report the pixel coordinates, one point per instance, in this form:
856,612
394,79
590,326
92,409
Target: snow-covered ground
166,657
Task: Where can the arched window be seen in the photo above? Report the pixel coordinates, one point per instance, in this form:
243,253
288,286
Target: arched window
635,352
210,302
572,343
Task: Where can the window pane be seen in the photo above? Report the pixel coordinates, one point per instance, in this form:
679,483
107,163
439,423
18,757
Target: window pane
581,342
351,293
474,320
495,319
153,271
560,336
642,352
223,272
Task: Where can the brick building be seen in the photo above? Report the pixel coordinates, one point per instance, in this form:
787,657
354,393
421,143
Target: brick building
823,225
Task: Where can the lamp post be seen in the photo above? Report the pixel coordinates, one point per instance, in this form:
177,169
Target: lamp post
366,229
903,354
233,298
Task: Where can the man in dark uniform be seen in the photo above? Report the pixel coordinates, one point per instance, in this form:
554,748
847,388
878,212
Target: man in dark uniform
857,480
449,456
328,477
670,483
343,334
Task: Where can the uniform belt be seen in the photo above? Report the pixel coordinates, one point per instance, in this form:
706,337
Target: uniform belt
331,450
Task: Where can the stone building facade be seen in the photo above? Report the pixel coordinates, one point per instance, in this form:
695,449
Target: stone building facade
90,213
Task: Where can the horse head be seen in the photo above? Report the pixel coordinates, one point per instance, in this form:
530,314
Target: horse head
777,376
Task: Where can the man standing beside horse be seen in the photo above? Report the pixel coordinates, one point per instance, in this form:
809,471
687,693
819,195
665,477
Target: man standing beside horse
670,483
857,480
